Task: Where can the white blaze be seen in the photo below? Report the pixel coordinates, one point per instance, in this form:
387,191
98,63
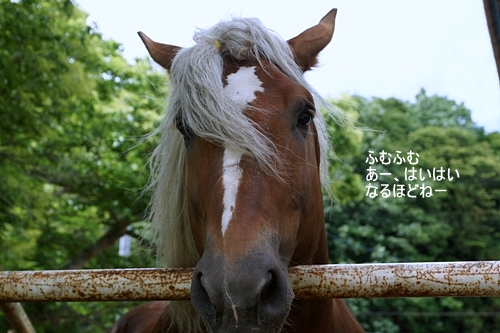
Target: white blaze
241,88
230,179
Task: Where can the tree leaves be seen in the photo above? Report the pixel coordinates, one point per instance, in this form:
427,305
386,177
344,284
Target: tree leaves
71,166
459,224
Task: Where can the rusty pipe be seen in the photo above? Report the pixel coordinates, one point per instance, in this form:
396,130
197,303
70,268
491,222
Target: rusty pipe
467,279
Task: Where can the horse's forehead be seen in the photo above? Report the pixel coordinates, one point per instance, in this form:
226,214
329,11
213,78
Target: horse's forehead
243,81
242,85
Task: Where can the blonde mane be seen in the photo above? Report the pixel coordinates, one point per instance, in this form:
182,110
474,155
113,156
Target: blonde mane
197,99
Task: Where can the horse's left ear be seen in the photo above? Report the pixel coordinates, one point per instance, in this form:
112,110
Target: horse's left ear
309,43
162,54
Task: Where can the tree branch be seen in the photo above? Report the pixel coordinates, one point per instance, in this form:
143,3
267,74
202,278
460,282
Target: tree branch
98,247
144,242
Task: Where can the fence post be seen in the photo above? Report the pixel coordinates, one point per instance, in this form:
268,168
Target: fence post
16,317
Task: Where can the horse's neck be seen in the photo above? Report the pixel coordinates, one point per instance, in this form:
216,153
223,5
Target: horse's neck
321,315
321,255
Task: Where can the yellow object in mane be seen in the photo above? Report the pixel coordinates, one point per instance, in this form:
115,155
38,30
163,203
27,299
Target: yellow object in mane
217,45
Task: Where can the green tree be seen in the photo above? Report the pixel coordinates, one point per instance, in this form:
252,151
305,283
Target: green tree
346,142
72,114
459,224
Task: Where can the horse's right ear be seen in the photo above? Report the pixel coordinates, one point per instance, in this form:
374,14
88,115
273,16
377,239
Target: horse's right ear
162,54
309,43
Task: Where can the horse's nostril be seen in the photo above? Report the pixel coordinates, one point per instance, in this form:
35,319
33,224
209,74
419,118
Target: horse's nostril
273,295
200,298
269,286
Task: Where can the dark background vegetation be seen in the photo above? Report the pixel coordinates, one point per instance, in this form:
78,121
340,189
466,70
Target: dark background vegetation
73,114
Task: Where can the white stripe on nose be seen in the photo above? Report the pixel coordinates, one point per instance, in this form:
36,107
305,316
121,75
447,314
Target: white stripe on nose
241,88
231,180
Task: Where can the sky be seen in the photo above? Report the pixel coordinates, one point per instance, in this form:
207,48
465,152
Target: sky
380,48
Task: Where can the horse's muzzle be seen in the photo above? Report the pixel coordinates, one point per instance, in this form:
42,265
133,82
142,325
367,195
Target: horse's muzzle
251,294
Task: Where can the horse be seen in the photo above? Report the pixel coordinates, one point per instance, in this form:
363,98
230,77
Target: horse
237,182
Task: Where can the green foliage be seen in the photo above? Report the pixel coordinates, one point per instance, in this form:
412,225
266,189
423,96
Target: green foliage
456,225
346,140
71,169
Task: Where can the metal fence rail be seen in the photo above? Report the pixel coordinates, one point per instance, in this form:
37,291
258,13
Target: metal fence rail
466,279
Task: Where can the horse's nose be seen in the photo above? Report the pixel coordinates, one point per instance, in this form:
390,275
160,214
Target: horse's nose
252,294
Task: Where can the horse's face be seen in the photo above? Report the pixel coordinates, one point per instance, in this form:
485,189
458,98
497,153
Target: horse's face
249,221
237,206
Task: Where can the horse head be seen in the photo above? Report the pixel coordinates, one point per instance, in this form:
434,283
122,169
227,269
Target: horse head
238,170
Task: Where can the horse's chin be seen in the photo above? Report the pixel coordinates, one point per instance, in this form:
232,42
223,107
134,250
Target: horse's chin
247,327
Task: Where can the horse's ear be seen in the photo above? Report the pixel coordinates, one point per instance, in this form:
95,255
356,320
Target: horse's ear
309,43
162,54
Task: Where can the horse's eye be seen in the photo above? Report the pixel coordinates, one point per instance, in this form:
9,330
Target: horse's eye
305,119
183,128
